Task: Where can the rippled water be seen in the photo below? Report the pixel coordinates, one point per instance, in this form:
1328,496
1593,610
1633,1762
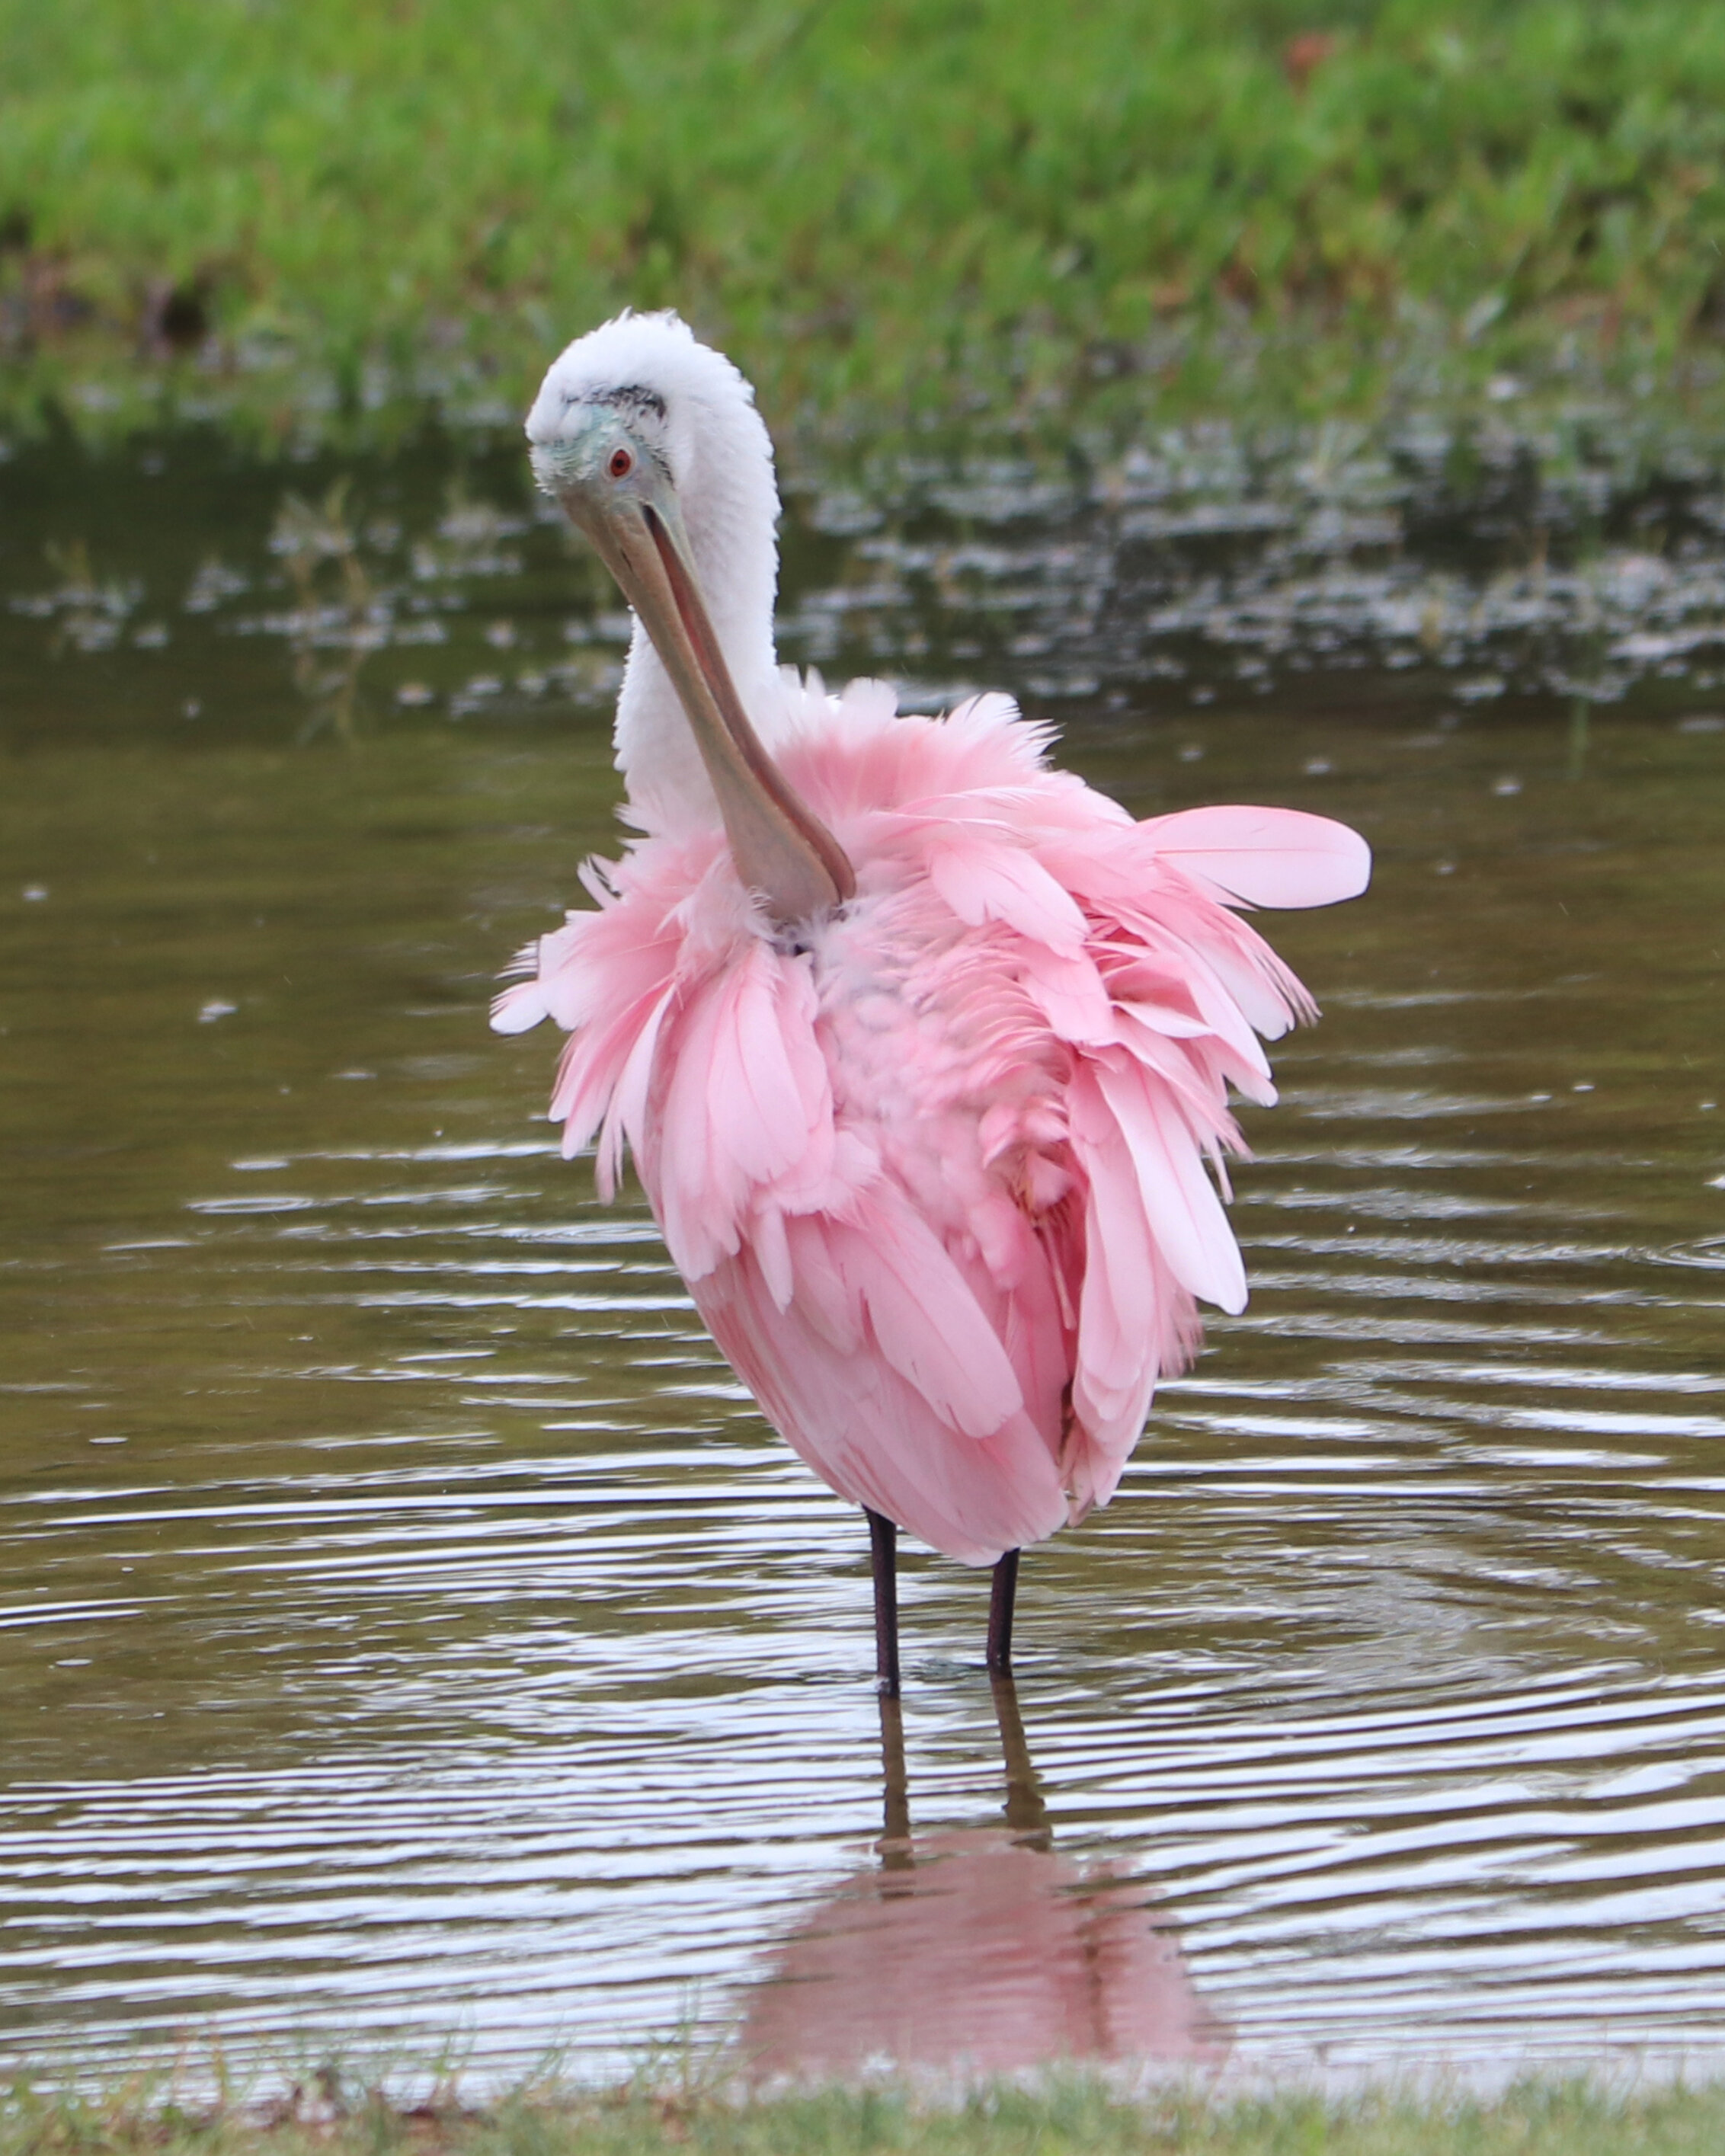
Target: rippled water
408,1628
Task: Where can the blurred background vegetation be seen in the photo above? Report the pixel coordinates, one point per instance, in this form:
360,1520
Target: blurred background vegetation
884,207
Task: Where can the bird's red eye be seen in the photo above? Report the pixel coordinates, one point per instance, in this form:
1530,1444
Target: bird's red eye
622,463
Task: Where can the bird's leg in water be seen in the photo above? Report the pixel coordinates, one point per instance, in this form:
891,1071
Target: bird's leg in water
1026,1815
883,1554
895,1842
1001,1598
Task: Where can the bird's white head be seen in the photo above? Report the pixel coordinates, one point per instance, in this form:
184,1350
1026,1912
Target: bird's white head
651,443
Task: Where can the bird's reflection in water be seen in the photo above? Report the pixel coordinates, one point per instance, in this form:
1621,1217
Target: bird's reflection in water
979,1952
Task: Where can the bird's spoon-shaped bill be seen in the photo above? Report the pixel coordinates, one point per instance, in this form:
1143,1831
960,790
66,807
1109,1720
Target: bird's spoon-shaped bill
782,851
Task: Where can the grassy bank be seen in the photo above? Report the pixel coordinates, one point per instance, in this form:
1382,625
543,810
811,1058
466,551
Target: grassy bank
884,204
1074,2119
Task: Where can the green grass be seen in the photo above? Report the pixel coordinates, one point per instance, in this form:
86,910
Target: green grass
1058,2119
883,205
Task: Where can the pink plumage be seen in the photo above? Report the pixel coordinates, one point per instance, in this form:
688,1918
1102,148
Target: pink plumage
940,1169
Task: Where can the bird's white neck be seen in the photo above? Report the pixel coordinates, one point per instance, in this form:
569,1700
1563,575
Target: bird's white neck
729,506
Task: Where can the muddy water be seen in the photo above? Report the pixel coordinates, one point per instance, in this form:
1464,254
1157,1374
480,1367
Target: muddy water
408,1632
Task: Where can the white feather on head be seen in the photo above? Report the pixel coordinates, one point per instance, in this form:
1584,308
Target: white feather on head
720,455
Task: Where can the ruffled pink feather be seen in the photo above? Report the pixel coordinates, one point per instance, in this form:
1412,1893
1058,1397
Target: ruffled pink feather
941,1183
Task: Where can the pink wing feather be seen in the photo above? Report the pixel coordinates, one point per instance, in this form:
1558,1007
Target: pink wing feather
939,1184
1279,857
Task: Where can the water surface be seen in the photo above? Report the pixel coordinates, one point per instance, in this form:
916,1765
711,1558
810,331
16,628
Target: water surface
410,1631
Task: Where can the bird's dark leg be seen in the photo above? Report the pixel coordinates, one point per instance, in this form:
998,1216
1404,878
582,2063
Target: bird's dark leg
883,1554
1001,1599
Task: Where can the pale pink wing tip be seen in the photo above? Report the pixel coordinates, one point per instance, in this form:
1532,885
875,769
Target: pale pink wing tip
1279,857
518,1009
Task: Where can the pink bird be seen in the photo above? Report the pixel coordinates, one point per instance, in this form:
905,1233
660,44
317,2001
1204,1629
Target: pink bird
923,1048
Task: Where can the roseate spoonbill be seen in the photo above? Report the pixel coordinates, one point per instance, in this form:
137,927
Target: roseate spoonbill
922,1048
